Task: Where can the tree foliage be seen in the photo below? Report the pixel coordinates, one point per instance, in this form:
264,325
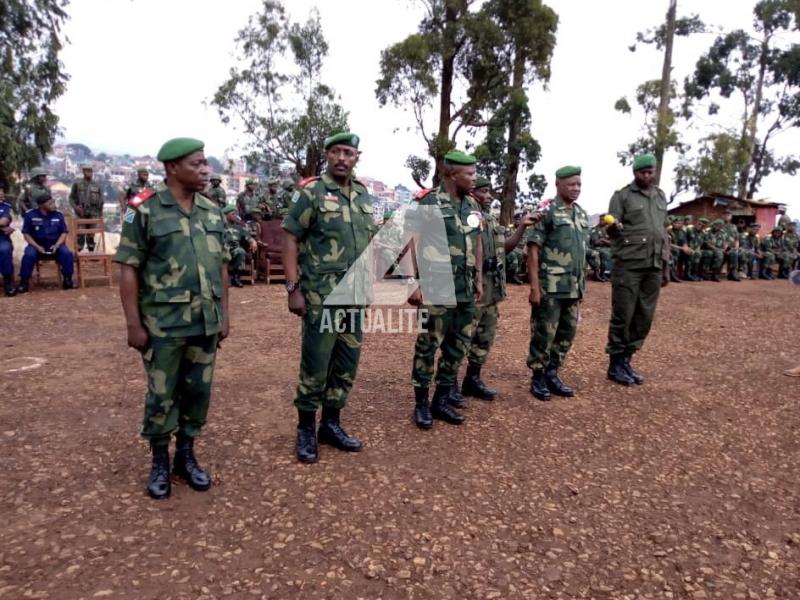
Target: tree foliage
277,96
31,79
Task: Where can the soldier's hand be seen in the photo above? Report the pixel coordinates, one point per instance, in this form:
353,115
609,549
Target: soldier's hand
297,304
415,299
137,337
224,331
479,291
535,297
531,219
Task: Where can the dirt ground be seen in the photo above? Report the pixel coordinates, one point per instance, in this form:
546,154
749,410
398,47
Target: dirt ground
686,487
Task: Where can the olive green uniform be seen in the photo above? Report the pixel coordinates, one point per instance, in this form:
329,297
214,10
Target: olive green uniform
86,199
179,258
27,199
333,227
216,193
246,202
561,236
599,250
636,277
237,240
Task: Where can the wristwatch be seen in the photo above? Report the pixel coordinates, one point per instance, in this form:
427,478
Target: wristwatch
291,285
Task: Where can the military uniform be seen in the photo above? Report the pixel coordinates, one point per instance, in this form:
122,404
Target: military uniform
216,193
246,201
783,222
27,199
694,239
135,187
599,249
714,240
237,240
749,247
86,199
788,255
6,251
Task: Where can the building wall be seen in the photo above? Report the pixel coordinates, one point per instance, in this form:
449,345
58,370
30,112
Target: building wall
767,216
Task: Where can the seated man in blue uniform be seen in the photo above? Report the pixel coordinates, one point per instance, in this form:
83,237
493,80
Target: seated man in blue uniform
6,248
45,230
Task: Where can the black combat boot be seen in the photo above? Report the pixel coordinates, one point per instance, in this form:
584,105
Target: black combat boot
715,277
455,397
555,385
235,281
158,484
331,432
515,279
441,409
733,276
8,286
539,385
473,386
22,288
186,466
638,378
67,284
783,273
306,445
673,276
617,371
422,408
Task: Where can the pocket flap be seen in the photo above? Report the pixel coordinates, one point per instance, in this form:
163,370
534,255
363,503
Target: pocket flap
176,296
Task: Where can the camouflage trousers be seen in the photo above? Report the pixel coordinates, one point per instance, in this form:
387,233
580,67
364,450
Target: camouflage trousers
713,260
786,260
484,329
553,326
634,295
746,259
331,349
179,375
238,256
599,259
514,261
732,260
768,261
448,328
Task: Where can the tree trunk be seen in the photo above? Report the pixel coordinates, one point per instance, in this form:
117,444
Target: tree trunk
508,198
442,138
751,125
662,122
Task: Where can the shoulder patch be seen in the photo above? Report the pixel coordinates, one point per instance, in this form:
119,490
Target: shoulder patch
141,197
422,193
307,180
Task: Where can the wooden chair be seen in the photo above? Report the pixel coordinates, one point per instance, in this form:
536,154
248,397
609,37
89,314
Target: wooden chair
270,249
100,256
48,262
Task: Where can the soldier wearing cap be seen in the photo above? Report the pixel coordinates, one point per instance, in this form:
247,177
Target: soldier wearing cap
599,252
273,201
142,182
557,273
215,191
495,244
771,247
174,290
6,247
86,200
448,327
45,230
713,246
36,187
788,256
248,199
680,251
640,218
731,246
326,232
750,251
239,241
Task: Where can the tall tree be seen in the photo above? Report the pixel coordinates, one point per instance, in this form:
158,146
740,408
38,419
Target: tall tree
31,79
759,70
714,169
286,114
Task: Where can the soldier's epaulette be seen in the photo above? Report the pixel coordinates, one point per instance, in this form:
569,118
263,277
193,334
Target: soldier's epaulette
307,180
422,193
141,197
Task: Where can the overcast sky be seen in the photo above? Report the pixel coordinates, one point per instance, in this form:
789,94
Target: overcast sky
143,71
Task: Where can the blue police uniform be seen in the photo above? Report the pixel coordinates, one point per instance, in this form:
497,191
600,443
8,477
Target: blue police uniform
45,229
6,247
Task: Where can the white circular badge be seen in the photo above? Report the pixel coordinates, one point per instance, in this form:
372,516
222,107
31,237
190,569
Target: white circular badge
473,220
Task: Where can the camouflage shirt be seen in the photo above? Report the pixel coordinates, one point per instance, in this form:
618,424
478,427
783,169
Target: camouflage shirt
772,244
334,229
714,240
678,237
27,199
87,196
561,235
179,258
749,241
135,187
236,236
598,235
216,195
790,241
731,234
246,202
694,237
643,214
493,239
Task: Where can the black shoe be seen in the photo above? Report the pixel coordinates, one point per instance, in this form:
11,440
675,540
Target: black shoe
617,371
555,385
158,484
638,379
440,408
515,279
455,397
422,408
8,287
236,282
22,288
331,432
715,278
473,386
539,386
306,445
733,276
67,283
673,277
186,467
603,278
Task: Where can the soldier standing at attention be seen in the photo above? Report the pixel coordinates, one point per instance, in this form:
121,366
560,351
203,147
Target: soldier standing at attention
140,183
35,188
86,199
484,326
449,325
247,200
215,191
6,247
640,213
236,239
174,290
557,272
328,227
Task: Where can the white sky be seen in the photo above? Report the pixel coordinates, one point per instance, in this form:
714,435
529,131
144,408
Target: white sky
142,71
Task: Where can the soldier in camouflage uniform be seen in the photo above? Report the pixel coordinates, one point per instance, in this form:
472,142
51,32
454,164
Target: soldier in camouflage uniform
327,230
788,255
731,246
215,192
247,200
714,240
174,290
771,247
35,189
142,182
694,239
600,246
449,319
495,244
272,202
681,252
86,199
288,190
515,259
557,273
238,241
750,251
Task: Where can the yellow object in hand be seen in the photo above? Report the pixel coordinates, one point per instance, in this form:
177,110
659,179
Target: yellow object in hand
609,220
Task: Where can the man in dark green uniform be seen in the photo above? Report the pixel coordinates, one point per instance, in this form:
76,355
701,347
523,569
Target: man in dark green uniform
141,182
771,247
174,290
247,200
215,191
86,199
449,316
326,232
788,255
238,241
714,239
557,272
637,234
35,189
601,245
484,327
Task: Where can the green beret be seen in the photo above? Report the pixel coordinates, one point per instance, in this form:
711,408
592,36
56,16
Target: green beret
250,181
673,218
644,161
38,171
178,148
287,183
43,197
777,229
256,211
87,165
215,177
718,222
228,209
273,181
687,218
142,170
482,182
703,220
568,171
456,157
344,138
